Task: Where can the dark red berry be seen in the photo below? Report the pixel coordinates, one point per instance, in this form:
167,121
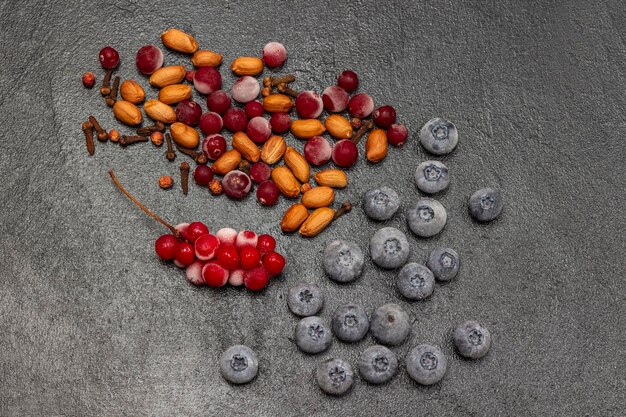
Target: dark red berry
235,120
249,258
218,101
348,80
280,122
185,254
274,263
265,244
267,193
228,257
260,172
397,134
165,247
256,279
109,58
254,109
384,116
203,175
195,230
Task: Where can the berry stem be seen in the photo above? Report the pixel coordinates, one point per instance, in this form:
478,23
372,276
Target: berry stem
174,231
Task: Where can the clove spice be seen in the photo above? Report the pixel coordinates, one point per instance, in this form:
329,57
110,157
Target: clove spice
285,89
346,207
126,140
112,97
88,131
169,154
198,157
184,177
275,81
365,127
102,134
147,130
105,90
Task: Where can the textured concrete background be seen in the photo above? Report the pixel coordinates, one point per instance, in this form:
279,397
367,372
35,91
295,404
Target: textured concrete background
92,324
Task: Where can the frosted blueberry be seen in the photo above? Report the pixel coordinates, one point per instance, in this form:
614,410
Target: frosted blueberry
313,335
444,263
486,204
305,299
432,177
426,217
426,364
381,203
334,376
239,364
377,364
439,136
472,340
390,324
415,281
343,261
389,248
350,323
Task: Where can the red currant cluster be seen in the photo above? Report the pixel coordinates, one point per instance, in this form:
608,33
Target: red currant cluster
227,257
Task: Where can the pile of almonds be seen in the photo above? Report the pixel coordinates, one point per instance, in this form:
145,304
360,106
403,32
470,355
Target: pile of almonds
257,146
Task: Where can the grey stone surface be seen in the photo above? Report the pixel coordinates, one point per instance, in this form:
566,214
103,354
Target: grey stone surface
92,324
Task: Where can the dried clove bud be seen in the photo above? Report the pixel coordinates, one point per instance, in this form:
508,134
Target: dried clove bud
170,154
102,134
105,90
147,130
275,81
365,127
88,131
184,177
285,89
112,97
126,140
198,157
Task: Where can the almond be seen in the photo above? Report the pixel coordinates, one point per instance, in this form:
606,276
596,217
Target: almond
307,128
159,111
376,145
277,103
334,178
317,221
286,182
318,197
205,58
127,113
130,90
167,76
247,65
248,149
174,93
227,162
273,150
339,127
297,164
179,41
185,136
293,218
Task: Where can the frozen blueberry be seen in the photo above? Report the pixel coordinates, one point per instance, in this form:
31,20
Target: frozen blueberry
350,323
415,281
432,177
313,335
426,364
439,136
377,364
305,299
444,262
390,324
472,340
381,203
426,217
239,364
343,261
389,248
485,204
334,376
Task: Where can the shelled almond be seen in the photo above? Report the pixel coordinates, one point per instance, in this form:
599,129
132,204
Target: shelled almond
297,164
307,128
318,197
165,76
247,65
179,41
286,181
293,218
244,145
273,150
317,222
227,162
376,145
174,93
159,111
185,136
205,58
127,113
131,91
334,178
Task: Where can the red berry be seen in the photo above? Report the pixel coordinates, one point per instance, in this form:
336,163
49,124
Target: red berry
249,258
274,54
335,99
256,279
348,80
188,112
218,101
236,277
89,80
185,254
345,153
260,172
207,80
258,130
274,263
206,247
265,244
214,146
228,257
214,274
267,193
361,105
227,236
210,123
203,175
309,105
317,150
280,122
245,89
397,134
236,184
165,247
193,273
149,58
246,238
253,109
195,230
182,228
384,116
235,120
109,58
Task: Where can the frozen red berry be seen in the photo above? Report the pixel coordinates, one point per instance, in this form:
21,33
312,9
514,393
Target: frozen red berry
258,130
188,112
309,105
185,254
397,134
207,80
218,101
210,123
182,228
317,150
206,247
335,99
253,109
149,58
280,122
361,105
165,247
384,116
245,89
214,146
235,120
228,256
236,184
193,273
214,274
227,236
236,277
348,80
195,230
265,244
274,54
256,279
267,193
109,58
246,238
274,263
249,257
260,172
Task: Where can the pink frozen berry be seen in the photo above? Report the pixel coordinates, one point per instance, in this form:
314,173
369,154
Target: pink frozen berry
193,273
274,54
246,238
236,277
214,274
206,247
227,236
